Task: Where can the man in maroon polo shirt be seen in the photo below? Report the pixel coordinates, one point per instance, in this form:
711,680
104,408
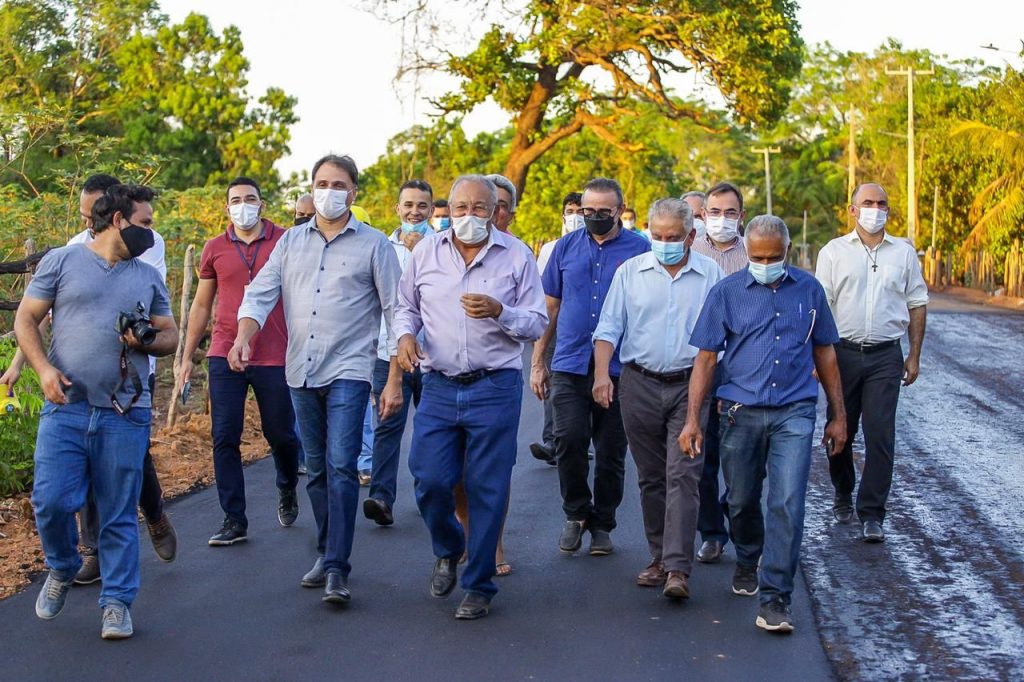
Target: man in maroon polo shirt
228,264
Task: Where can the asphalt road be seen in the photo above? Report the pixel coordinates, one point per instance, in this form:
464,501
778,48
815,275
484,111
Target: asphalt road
238,612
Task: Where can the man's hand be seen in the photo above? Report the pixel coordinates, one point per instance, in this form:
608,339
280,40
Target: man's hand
480,306
835,432
184,372
911,368
53,383
409,353
129,338
411,239
540,381
238,356
390,400
691,440
11,376
604,391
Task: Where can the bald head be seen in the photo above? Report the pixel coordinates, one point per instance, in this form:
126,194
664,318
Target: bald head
304,208
870,191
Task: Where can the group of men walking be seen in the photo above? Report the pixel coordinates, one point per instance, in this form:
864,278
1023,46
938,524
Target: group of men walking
693,351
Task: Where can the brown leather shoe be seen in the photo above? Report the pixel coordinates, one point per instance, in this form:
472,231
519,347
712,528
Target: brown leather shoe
676,586
652,576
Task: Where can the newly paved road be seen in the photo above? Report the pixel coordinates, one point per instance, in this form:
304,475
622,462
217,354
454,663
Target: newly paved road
238,612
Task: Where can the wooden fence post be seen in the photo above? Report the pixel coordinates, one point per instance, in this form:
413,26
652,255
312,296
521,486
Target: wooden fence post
186,289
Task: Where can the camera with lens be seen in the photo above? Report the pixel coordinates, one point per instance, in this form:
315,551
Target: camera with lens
138,323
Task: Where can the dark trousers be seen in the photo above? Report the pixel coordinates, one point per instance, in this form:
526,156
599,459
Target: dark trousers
714,508
151,500
387,435
653,414
871,390
467,433
578,420
547,435
228,390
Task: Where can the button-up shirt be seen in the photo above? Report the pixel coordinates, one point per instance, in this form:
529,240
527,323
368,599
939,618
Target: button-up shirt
334,294
437,277
653,313
404,255
580,273
731,259
871,304
768,335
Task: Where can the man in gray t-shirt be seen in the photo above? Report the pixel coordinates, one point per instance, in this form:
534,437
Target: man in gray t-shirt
94,426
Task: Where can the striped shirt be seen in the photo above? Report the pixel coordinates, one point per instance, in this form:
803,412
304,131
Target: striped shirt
768,336
732,259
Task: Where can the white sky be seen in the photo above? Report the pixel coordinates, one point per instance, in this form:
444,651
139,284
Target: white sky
339,61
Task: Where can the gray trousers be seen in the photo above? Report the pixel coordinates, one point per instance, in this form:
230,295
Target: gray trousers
653,414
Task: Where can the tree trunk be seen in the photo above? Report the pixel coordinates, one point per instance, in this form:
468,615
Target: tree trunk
186,289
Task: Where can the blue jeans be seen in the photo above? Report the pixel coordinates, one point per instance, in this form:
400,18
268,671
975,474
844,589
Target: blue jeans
365,462
772,441
468,433
228,391
79,446
387,436
330,425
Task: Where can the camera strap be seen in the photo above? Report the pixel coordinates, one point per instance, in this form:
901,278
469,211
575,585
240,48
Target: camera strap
128,371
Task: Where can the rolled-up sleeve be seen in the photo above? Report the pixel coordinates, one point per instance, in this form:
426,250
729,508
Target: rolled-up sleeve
528,318
917,288
612,323
386,275
407,315
265,290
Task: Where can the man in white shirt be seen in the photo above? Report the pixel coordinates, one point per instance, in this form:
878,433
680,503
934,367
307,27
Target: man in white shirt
651,309
876,292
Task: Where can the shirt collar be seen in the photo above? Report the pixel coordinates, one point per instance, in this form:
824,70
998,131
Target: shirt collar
648,261
750,281
352,224
495,238
855,237
736,242
263,231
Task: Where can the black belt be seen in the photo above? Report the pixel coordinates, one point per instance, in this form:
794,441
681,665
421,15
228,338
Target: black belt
468,377
666,377
868,347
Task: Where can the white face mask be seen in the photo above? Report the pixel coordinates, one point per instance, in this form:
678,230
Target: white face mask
244,216
872,219
470,229
722,229
570,223
628,224
330,203
699,228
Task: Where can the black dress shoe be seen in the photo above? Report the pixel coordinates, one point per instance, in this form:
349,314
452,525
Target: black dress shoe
572,536
842,508
378,511
601,543
873,531
474,605
710,552
543,453
442,580
336,591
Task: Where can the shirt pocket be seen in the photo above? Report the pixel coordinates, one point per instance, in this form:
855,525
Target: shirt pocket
894,277
502,288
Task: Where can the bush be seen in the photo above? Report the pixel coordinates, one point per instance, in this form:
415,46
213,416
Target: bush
18,430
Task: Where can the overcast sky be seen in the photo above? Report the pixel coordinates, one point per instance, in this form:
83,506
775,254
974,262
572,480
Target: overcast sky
339,61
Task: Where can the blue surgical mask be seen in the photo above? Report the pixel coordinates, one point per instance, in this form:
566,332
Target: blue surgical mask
668,253
420,227
440,223
767,273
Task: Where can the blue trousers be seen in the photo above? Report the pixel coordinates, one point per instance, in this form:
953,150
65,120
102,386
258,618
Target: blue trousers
331,425
466,432
79,446
365,462
228,391
775,442
387,435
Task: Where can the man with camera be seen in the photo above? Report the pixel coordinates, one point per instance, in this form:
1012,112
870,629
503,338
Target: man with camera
110,313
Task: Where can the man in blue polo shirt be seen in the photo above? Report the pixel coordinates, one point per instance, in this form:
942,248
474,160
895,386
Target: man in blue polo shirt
774,324
576,281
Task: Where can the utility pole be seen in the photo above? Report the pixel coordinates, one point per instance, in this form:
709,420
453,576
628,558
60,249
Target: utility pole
910,72
767,151
851,157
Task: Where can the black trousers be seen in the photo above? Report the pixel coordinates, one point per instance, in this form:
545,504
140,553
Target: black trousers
577,421
871,390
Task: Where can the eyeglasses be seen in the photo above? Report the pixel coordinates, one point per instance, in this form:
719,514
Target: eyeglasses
603,214
731,213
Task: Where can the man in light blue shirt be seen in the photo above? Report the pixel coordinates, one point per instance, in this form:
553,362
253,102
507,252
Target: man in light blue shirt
649,314
336,276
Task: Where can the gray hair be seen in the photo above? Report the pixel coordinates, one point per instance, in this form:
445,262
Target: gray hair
700,195
492,190
767,226
672,208
504,183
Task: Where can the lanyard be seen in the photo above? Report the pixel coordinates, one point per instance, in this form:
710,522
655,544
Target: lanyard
248,265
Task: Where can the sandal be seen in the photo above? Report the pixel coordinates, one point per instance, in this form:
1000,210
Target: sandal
503,569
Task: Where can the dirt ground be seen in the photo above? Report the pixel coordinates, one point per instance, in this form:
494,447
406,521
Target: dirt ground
983,298
184,461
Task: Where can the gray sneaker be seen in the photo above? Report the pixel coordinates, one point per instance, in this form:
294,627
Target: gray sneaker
90,570
317,576
774,616
53,596
117,621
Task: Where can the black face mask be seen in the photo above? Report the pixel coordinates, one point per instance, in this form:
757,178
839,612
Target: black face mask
137,239
599,226
300,220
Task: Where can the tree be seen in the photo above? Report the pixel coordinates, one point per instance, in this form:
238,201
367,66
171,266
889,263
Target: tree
549,72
